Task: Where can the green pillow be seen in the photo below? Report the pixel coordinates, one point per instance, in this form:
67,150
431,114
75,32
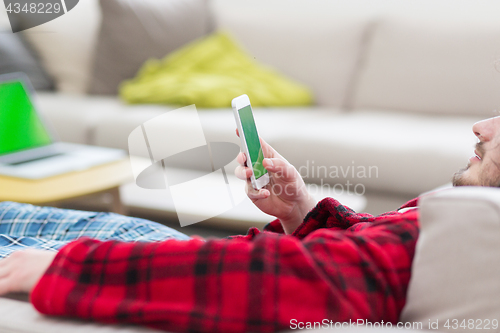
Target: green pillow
210,72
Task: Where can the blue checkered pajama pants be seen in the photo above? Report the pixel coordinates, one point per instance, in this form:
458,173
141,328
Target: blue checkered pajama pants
26,226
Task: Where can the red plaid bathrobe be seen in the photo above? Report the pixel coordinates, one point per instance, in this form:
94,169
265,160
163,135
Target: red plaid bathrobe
338,265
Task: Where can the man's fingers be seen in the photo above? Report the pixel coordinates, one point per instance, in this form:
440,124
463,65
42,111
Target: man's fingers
280,167
277,166
6,285
241,159
258,194
268,151
254,194
5,266
25,268
4,271
242,172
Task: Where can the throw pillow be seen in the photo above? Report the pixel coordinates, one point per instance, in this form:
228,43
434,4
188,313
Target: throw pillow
134,31
66,45
16,56
210,73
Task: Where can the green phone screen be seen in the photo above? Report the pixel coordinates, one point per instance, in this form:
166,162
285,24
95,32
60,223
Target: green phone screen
252,140
20,126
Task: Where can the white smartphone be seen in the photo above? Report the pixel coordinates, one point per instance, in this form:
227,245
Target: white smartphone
250,143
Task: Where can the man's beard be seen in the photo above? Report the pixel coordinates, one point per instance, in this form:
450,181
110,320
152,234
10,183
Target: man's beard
459,178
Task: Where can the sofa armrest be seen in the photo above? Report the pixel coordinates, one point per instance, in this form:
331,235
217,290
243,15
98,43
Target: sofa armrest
456,269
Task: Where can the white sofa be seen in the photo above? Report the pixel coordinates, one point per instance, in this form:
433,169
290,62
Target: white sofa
455,272
398,85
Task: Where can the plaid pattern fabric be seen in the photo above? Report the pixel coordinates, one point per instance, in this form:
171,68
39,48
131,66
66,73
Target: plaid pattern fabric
338,265
26,226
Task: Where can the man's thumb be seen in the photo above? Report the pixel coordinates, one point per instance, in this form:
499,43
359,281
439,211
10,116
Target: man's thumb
278,166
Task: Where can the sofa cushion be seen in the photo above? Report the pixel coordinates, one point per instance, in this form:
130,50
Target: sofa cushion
318,45
134,31
16,56
218,124
456,266
381,151
406,153
435,65
74,117
210,72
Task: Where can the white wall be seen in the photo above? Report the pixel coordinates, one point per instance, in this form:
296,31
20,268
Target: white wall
477,9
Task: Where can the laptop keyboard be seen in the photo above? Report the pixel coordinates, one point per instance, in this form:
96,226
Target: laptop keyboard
33,159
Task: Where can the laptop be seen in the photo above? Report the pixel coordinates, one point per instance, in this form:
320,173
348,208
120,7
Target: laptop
28,147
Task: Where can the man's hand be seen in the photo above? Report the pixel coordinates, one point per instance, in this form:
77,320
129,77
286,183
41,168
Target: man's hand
286,196
21,270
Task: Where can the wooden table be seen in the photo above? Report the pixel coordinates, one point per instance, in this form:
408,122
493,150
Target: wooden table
103,178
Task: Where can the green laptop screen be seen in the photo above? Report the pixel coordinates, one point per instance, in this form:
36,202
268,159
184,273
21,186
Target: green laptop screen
20,126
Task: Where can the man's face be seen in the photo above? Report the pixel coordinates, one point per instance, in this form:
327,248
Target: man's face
483,168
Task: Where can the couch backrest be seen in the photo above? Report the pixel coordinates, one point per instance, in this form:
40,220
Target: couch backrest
412,55
65,45
440,65
315,42
456,269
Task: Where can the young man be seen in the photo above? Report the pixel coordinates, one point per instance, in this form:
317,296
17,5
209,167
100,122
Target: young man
315,262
